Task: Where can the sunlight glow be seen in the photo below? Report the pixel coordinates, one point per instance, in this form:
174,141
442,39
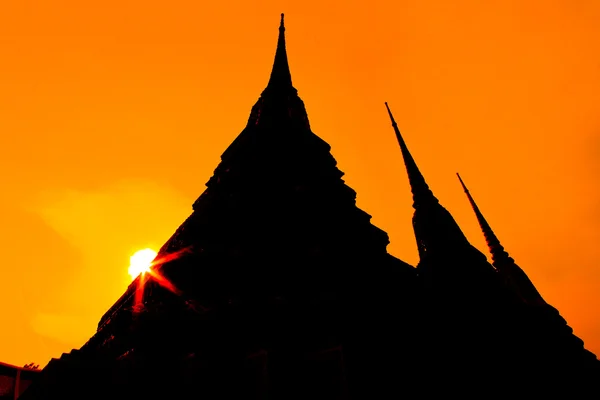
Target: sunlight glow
154,274
140,262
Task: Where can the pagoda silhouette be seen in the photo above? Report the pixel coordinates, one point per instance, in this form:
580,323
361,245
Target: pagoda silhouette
278,286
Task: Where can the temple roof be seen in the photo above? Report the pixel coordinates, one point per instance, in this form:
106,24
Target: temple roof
275,170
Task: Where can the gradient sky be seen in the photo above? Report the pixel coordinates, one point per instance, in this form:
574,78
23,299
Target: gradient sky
114,114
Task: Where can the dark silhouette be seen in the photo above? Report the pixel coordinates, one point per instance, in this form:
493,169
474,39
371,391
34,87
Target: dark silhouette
278,287
513,276
14,380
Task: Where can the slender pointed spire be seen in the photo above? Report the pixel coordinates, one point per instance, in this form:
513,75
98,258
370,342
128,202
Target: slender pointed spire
439,238
281,78
419,188
279,102
501,260
496,249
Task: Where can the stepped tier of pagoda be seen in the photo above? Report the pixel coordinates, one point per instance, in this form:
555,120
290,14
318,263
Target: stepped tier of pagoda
278,286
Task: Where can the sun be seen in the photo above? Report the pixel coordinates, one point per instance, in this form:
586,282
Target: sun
141,262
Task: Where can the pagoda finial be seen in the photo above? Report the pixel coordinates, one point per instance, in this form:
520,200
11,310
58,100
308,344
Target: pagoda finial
503,263
496,249
281,78
420,190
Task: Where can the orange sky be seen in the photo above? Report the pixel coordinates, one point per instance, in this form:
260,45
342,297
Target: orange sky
114,114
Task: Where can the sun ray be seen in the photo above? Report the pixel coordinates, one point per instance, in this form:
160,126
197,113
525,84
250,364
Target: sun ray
153,272
171,256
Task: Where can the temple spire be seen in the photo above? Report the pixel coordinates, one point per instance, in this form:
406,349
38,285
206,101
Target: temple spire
501,260
496,249
419,188
279,104
281,78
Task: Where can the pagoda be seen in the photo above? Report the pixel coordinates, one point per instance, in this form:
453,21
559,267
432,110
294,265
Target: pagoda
278,286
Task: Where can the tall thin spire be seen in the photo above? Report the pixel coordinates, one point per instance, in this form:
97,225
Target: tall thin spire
279,102
496,249
501,260
437,233
419,188
281,78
